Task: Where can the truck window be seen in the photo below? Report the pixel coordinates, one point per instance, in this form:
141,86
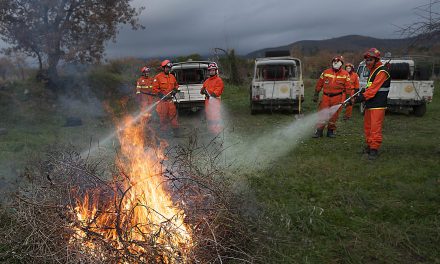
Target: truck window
190,76
400,71
276,72
360,69
365,73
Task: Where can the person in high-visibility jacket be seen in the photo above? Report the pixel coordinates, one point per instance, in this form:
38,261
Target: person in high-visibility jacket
165,86
354,87
144,91
333,82
375,98
212,89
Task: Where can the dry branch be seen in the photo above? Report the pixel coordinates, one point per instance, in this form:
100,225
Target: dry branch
44,226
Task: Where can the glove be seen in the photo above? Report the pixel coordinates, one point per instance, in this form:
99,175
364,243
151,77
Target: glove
173,92
359,98
349,102
203,91
213,95
315,97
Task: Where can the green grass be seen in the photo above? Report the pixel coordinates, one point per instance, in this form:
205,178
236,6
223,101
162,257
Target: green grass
328,204
324,202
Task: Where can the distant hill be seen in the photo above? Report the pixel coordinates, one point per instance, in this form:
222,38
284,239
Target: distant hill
350,43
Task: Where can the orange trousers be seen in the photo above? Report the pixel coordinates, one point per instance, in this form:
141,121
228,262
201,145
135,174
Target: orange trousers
349,108
146,101
167,114
213,115
327,102
373,122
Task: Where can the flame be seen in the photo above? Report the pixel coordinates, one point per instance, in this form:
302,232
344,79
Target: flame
140,212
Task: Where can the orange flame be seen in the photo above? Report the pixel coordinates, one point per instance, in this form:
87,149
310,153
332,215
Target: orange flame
144,209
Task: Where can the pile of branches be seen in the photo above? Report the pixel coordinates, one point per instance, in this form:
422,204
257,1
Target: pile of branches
42,223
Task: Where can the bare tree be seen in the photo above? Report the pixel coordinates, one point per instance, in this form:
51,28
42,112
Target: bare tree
69,30
428,24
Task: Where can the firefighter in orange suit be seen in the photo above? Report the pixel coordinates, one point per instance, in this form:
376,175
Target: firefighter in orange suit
354,87
165,86
333,82
144,91
213,89
375,98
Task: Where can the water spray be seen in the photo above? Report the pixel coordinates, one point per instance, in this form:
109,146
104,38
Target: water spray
112,135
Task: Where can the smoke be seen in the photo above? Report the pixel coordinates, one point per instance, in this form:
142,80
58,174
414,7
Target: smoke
108,140
256,153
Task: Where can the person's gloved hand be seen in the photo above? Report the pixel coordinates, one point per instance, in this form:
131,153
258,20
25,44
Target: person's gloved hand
203,91
349,102
174,91
214,95
359,98
315,97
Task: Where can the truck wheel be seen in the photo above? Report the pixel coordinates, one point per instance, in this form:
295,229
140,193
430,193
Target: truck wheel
419,110
255,108
362,107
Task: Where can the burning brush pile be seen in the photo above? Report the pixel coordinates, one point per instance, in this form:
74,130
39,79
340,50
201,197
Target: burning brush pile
156,207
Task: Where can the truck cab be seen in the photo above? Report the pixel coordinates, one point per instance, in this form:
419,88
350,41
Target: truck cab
190,76
277,84
410,88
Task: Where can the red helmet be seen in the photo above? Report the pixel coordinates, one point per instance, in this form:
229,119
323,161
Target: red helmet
212,66
372,53
338,58
166,63
145,69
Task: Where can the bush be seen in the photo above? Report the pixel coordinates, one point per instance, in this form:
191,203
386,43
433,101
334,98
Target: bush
105,84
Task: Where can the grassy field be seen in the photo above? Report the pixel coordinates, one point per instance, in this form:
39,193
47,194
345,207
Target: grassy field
324,201
327,203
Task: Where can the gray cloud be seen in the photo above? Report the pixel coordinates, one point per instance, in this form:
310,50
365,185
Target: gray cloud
177,27
196,26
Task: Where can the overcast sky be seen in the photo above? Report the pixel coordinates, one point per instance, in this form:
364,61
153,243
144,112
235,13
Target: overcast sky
182,27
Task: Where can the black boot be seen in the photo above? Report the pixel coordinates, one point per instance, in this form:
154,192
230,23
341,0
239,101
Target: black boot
366,150
331,133
373,154
318,133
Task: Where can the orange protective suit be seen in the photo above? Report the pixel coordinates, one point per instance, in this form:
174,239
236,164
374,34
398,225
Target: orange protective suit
163,84
375,97
333,84
144,90
214,86
354,86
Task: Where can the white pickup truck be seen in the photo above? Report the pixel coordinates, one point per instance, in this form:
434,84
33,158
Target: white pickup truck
277,84
190,76
409,90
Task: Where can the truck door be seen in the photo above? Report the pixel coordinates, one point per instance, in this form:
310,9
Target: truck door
277,81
